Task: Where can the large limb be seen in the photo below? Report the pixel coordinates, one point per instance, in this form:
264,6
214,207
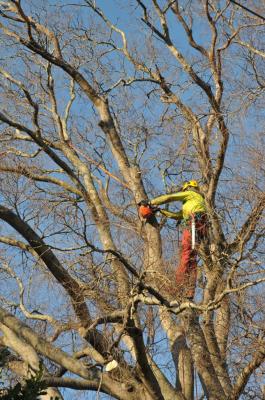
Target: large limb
76,294
203,364
183,363
222,326
249,226
131,174
29,363
61,275
215,354
243,378
87,189
41,346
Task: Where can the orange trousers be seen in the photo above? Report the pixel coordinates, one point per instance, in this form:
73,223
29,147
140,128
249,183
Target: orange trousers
186,272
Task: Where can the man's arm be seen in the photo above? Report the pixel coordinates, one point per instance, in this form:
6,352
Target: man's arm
169,214
167,198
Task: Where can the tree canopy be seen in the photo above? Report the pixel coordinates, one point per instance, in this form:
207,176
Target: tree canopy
102,105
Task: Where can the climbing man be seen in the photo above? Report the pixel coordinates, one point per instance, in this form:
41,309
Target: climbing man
193,215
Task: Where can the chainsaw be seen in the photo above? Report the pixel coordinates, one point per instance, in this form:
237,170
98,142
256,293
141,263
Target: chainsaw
146,210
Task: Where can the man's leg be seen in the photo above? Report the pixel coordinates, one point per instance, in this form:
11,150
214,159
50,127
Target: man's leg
186,272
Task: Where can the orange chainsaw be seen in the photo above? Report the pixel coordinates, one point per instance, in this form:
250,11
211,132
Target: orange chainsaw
146,210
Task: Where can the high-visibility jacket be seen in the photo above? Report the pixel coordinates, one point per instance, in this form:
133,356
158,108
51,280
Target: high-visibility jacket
193,203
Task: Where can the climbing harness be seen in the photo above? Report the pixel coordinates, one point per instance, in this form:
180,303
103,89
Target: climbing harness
191,223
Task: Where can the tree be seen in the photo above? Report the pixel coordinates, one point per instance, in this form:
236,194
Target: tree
103,106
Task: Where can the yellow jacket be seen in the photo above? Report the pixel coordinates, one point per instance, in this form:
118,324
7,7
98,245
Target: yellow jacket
193,202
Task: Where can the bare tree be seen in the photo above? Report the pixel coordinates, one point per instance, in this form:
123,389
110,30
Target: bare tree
102,107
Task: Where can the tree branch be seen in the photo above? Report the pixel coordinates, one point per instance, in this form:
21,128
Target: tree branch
243,377
248,228
54,266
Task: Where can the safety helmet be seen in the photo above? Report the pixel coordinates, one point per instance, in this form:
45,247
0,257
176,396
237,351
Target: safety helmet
190,184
